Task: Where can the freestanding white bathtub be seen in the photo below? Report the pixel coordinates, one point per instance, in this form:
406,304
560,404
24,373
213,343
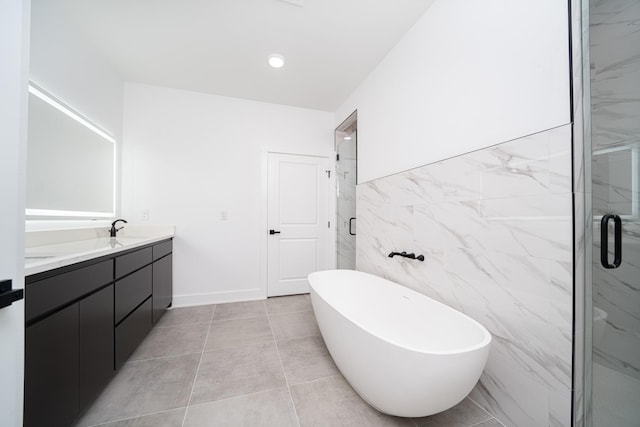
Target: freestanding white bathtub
403,352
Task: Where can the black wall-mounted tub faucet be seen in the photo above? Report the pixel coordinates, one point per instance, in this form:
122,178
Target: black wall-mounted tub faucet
406,255
114,230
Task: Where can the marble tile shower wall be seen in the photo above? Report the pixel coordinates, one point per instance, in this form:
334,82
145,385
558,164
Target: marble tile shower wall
495,227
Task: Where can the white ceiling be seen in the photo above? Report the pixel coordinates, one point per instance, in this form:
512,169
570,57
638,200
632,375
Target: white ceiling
221,46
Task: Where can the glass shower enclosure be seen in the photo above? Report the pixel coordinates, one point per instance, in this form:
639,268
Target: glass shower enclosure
346,146
611,110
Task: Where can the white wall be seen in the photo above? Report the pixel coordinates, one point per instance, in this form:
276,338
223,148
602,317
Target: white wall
189,156
64,62
14,55
468,75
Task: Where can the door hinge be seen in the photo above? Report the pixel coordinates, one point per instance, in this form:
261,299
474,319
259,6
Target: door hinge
328,224
337,157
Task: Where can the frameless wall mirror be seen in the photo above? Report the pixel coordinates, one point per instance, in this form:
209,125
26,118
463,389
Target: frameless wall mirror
71,162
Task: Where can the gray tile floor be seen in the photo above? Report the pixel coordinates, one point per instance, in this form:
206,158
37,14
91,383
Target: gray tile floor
258,363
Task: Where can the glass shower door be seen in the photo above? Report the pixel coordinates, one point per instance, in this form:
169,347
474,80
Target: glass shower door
346,198
615,113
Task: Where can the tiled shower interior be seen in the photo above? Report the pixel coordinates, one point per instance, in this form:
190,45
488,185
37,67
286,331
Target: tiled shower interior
258,363
346,173
494,227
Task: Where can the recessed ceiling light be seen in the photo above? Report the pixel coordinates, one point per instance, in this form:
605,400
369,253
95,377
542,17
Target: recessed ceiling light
347,138
276,61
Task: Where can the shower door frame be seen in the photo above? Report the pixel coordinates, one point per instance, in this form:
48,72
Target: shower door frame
582,216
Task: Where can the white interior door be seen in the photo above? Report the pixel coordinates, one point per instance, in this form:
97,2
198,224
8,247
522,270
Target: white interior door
297,220
14,31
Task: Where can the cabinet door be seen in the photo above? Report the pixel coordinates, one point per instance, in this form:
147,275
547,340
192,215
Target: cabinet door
51,370
96,344
162,285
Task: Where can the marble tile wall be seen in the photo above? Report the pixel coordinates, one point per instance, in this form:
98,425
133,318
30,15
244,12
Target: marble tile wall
495,227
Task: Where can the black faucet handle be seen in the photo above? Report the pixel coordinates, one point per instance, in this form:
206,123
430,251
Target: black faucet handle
113,224
114,230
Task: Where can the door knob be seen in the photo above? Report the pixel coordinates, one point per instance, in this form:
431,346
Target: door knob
274,232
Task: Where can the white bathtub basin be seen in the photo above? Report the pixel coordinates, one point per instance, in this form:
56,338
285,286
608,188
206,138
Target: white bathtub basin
404,353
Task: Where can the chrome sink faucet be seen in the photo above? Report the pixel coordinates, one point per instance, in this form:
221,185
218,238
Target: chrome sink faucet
114,230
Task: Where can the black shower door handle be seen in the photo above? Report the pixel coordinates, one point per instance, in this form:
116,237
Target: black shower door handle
604,241
351,226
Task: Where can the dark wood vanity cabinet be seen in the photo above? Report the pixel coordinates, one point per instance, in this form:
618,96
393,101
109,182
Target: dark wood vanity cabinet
66,317
82,322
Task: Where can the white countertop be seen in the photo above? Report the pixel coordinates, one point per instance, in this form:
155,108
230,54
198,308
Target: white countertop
49,257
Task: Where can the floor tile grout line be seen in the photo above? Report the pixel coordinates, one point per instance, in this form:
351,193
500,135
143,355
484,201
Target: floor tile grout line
195,378
490,419
253,393
293,405
239,318
290,312
299,337
137,416
481,407
180,325
146,359
238,346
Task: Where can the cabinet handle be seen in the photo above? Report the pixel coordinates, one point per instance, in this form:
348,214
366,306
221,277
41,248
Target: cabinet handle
604,241
351,226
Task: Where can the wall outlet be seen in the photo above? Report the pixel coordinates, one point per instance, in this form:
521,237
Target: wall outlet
144,215
224,215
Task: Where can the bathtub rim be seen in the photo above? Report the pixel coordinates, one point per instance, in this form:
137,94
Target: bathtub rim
485,342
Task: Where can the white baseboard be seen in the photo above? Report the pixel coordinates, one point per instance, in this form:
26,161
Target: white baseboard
189,300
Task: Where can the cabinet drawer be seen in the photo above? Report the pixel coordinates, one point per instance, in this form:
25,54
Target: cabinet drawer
132,290
46,295
162,249
132,331
125,264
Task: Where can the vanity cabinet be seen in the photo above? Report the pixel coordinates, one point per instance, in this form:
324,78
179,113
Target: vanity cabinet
66,318
82,322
